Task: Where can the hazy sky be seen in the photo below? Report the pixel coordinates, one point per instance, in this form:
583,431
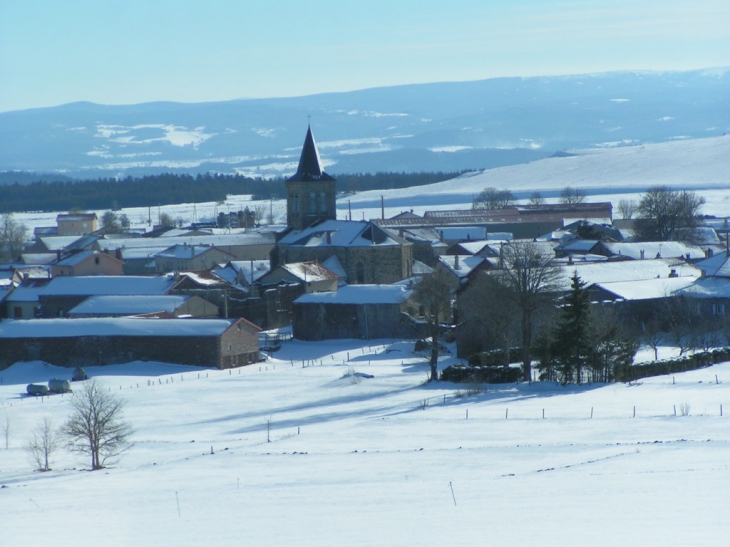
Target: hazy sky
132,51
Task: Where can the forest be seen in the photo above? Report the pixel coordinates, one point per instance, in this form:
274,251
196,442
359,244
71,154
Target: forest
170,188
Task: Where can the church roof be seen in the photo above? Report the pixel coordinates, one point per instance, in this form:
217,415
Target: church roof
310,166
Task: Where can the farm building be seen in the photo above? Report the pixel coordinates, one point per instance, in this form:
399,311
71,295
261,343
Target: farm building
356,311
218,343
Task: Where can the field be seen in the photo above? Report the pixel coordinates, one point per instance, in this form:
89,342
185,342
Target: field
388,460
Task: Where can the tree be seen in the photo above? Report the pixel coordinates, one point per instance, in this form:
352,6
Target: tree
110,223
124,222
12,235
536,198
434,297
167,221
41,444
572,196
667,214
571,348
627,208
530,277
491,198
6,427
96,426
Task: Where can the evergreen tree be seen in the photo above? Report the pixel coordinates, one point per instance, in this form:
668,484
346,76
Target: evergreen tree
571,345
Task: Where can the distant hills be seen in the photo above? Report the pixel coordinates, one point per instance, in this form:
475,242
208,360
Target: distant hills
428,127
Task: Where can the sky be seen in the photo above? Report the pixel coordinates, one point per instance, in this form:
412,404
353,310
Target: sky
135,51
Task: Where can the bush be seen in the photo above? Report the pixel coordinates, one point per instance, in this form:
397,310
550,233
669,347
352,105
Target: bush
461,374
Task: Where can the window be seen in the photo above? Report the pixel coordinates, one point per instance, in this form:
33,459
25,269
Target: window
322,202
18,312
96,260
312,202
718,309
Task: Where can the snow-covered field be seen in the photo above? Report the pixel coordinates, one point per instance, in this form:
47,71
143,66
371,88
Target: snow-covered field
383,461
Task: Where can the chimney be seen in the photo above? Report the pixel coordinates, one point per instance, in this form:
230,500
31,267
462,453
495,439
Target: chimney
58,255
456,262
673,273
710,252
570,260
642,254
118,254
329,238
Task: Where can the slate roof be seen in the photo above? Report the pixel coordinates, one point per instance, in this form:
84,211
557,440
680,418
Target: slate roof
117,326
129,305
310,165
310,271
72,285
646,289
342,233
359,294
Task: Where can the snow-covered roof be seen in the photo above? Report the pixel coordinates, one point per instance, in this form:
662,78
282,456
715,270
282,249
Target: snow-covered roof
310,271
647,289
333,264
664,249
116,326
185,252
250,270
461,265
249,238
38,258
359,294
577,246
708,287
627,270
129,305
340,233
717,265
58,243
108,285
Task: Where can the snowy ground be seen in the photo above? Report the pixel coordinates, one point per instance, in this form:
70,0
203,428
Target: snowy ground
374,461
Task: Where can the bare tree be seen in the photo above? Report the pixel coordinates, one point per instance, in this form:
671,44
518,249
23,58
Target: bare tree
530,276
667,214
167,221
491,198
6,426
572,196
627,208
96,426
41,444
434,297
12,235
536,198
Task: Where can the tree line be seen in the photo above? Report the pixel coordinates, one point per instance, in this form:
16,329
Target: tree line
172,188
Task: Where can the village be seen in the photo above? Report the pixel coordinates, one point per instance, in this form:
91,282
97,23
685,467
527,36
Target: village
83,294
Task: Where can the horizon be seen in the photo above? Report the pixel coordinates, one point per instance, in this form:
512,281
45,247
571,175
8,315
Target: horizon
136,52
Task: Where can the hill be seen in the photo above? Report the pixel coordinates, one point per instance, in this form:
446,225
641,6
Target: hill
414,128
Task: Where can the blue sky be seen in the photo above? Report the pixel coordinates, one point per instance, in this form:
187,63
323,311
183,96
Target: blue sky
133,51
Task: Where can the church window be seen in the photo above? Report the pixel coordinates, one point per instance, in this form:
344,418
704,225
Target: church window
312,202
322,202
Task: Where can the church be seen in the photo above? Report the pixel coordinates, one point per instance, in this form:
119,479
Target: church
359,251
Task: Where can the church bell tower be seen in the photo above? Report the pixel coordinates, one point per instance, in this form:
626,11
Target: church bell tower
310,192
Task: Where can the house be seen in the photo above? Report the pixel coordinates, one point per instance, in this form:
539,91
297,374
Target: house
77,224
218,343
523,221
23,301
458,269
243,274
311,275
122,306
189,257
357,311
87,263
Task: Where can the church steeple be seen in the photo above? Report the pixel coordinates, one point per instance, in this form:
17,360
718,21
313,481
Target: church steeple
310,165
310,192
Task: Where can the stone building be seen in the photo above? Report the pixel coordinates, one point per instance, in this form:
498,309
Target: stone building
367,253
219,343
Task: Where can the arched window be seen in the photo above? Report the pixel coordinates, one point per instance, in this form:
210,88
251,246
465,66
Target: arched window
322,202
312,202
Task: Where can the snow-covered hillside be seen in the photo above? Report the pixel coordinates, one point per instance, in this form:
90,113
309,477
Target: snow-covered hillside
609,174
382,461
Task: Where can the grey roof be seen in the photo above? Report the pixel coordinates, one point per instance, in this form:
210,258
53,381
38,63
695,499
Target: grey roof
310,166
